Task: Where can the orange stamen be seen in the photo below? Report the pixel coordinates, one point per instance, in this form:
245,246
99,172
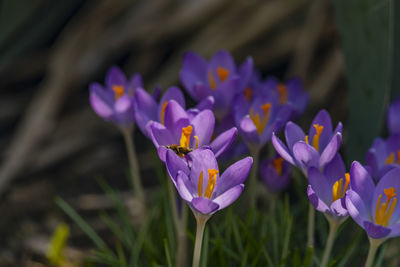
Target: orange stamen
162,116
283,93
248,93
277,164
384,211
318,129
118,91
185,137
212,179
261,122
222,73
211,80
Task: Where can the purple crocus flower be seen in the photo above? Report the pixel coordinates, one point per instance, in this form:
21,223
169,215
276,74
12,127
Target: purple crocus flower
314,150
220,78
326,191
182,132
258,119
275,173
201,185
393,118
149,108
114,101
372,207
383,156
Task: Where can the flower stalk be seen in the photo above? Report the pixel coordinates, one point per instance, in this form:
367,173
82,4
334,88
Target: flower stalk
373,247
310,226
133,164
255,153
333,227
201,223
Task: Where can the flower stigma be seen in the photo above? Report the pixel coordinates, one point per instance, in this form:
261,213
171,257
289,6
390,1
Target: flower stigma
337,189
283,93
118,91
162,115
260,123
384,211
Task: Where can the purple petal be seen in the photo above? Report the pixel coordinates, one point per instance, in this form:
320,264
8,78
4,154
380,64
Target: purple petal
240,108
323,119
203,125
293,134
172,93
136,82
306,155
393,117
124,110
115,77
223,59
320,185
356,207
204,205
245,72
229,196
101,101
395,230
376,231
184,186
206,103
175,118
249,130
282,150
315,201
145,109
330,150
223,141
202,161
338,208
234,175
175,164
361,182
335,170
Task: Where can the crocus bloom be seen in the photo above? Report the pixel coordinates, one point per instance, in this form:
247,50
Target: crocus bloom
114,101
372,207
383,156
149,108
314,150
202,186
220,78
393,118
275,173
258,119
327,190
184,133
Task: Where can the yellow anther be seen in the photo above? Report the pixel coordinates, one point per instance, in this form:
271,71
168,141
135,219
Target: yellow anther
315,141
277,164
248,93
282,93
392,158
211,80
197,142
222,73
338,191
260,123
200,185
212,179
118,91
185,137
162,115
306,139
398,157
384,211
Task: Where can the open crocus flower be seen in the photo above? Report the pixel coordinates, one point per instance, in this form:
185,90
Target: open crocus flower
114,101
372,207
314,150
383,156
275,173
220,78
258,119
148,108
393,118
327,190
202,186
183,133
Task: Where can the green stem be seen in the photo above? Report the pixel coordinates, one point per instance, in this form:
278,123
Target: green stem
310,226
201,223
254,152
373,247
333,226
174,207
133,164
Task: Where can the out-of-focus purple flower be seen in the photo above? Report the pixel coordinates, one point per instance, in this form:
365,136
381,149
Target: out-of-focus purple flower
201,186
393,117
184,132
220,78
258,119
383,156
314,150
326,191
372,207
114,101
275,173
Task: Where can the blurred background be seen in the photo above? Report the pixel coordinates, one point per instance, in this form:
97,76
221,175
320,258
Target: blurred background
52,143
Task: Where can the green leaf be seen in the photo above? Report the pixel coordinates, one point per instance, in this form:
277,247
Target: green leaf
367,33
